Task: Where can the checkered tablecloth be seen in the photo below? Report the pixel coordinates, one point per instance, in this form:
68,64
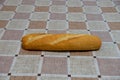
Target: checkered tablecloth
96,17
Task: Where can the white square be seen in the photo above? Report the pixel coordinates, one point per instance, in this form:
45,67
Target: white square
76,17
75,31
78,66
58,9
105,3
43,2
26,64
18,24
74,3
112,17
116,36
9,47
57,24
53,78
25,8
97,25
107,50
29,31
92,9
6,15
13,2
110,78
42,16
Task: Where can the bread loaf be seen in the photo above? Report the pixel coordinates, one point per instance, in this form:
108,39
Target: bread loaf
61,42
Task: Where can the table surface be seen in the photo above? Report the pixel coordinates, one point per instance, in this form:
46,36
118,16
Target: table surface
96,17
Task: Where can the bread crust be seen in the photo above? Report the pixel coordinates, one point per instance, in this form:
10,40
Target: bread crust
61,42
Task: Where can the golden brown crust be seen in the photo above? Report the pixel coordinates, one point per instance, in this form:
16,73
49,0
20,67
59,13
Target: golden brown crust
61,42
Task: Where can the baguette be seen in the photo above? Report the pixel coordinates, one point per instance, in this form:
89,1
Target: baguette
61,42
